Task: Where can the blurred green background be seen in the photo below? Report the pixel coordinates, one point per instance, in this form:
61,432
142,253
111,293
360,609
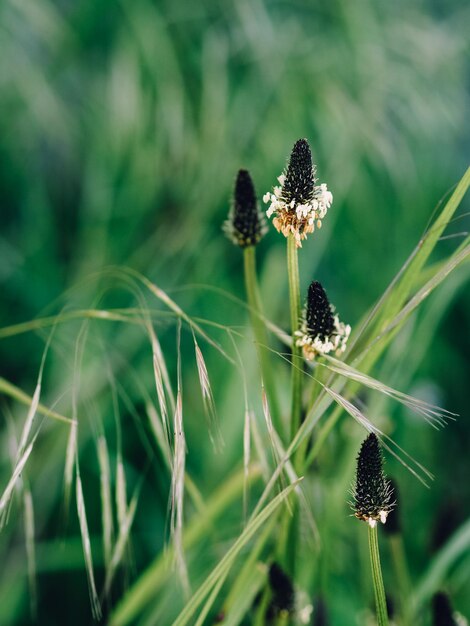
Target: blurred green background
122,126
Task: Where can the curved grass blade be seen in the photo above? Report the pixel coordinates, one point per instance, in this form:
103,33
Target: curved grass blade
30,549
94,600
227,561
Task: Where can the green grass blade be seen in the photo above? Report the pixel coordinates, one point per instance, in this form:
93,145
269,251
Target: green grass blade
227,561
144,589
435,576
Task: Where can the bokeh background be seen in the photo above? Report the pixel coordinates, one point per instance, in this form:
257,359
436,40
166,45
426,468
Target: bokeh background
122,126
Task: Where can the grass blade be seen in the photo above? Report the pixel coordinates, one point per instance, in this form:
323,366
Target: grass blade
30,549
94,600
18,394
144,589
207,397
122,541
16,475
227,561
106,507
121,492
177,479
70,456
161,438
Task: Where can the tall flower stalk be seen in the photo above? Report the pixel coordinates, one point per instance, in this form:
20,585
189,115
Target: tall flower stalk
297,362
320,332
245,227
372,503
297,205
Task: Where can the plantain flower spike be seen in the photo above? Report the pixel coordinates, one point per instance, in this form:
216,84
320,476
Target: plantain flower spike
282,590
246,225
442,611
298,203
372,491
320,331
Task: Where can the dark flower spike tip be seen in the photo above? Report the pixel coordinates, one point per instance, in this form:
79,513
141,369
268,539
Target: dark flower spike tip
321,331
298,204
372,491
442,613
245,225
319,314
299,179
283,595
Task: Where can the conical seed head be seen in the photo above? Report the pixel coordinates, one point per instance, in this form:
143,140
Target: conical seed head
299,179
442,612
245,225
283,595
372,492
319,316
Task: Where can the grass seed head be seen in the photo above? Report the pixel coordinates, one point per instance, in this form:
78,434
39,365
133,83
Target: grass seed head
442,613
297,203
372,491
320,330
246,225
283,595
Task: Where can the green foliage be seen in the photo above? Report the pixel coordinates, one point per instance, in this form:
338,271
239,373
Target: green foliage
122,126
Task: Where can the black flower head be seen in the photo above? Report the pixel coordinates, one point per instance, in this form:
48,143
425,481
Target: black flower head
321,331
298,204
283,595
245,225
442,614
299,179
372,491
319,314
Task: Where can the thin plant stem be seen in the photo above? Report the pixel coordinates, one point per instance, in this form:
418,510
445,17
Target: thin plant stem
294,301
379,591
288,533
18,394
260,616
261,336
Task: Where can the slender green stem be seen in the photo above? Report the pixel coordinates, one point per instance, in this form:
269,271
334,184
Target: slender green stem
261,336
288,533
18,394
379,591
297,363
260,616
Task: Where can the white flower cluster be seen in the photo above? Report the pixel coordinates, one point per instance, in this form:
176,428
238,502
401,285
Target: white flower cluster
336,342
373,521
297,219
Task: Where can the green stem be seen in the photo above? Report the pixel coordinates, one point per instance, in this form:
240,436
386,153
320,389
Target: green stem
9,389
289,525
297,363
261,336
260,616
380,601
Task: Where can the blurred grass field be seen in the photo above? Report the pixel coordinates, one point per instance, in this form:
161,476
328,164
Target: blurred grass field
122,126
